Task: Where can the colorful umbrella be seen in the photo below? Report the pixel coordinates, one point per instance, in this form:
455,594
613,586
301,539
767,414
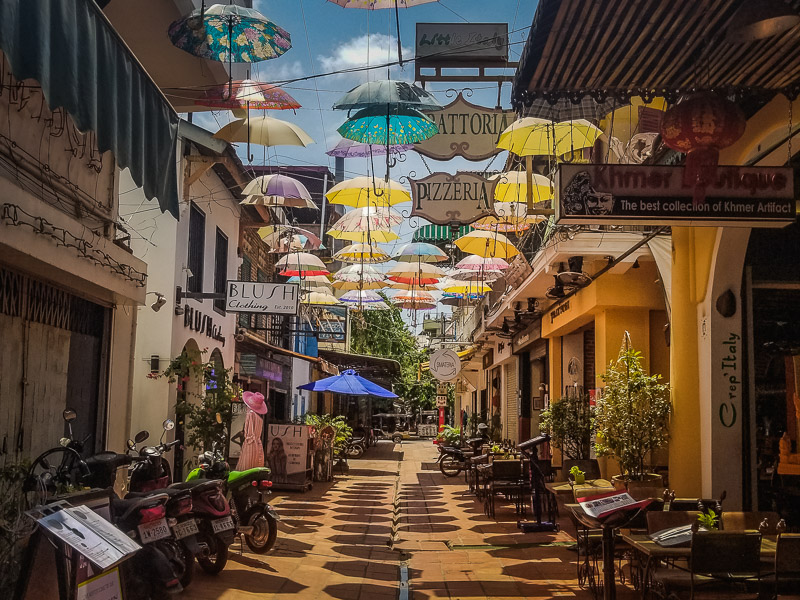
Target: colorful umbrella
359,273
274,234
412,283
369,217
487,244
264,131
360,192
346,286
480,263
279,201
315,297
464,287
389,93
246,94
530,136
360,296
301,263
415,300
361,253
313,280
399,126
348,383
364,237
277,185
513,187
411,270
371,306
420,252
470,275
350,149
229,33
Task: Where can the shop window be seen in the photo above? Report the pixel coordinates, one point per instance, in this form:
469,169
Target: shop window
220,269
244,275
197,247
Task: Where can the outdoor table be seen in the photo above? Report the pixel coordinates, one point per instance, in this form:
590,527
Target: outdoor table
654,553
608,526
590,487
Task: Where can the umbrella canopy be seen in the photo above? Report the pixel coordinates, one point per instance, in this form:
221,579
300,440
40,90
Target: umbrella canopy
346,286
415,300
421,270
371,306
319,297
388,92
420,252
470,275
364,237
513,187
229,33
565,109
360,192
538,137
264,131
312,280
465,287
360,296
301,263
277,185
348,383
272,235
411,283
279,201
487,244
369,217
361,253
400,126
480,263
247,93
508,217
350,149
357,273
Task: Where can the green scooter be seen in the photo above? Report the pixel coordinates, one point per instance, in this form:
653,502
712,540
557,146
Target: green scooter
254,518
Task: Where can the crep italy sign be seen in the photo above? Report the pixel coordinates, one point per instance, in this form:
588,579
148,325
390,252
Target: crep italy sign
445,199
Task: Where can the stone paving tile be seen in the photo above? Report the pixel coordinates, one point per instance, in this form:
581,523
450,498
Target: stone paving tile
348,539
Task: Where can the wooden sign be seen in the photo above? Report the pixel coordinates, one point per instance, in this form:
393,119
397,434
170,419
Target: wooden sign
465,130
656,195
447,199
461,42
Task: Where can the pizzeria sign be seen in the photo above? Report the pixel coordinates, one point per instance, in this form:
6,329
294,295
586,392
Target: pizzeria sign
656,195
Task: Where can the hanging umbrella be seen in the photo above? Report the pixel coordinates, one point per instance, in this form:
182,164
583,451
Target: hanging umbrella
360,192
420,270
273,234
470,275
350,149
369,217
348,383
313,280
508,217
371,306
361,253
346,286
465,287
229,33
564,109
420,252
416,300
487,244
480,263
364,237
387,92
264,131
513,187
246,94
530,136
375,125
315,297
279,201
361,296
301,263
410,283
277,185
359,273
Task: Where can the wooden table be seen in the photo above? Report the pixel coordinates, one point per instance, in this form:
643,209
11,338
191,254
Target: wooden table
590,487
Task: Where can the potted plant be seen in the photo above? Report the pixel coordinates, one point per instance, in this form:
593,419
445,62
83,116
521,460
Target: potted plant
578,476
570,423
632,417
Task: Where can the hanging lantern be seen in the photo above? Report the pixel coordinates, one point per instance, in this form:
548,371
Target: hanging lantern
700,126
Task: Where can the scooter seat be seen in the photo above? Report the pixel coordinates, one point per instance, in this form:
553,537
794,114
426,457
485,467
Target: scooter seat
169,491
196,484
237,478
123,507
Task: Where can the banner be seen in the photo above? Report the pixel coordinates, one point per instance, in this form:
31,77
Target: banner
288,455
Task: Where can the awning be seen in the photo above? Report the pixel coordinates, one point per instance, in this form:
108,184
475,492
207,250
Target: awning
464,355
82,65
661,248
439,233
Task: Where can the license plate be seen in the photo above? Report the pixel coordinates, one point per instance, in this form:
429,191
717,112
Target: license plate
222,524
151,532
185,529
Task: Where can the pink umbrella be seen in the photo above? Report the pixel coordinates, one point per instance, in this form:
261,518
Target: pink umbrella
247,93
474,262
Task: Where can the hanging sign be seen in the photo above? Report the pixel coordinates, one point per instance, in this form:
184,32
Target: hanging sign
447,199
441,401
656,195
445,364
461,42
465,130
258,297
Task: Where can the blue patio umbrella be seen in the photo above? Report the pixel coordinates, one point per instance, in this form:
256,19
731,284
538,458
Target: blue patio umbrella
348,383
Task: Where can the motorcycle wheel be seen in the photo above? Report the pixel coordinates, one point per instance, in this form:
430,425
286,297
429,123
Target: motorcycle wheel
355,451
216,558
180,559
265,529
397,439
450,466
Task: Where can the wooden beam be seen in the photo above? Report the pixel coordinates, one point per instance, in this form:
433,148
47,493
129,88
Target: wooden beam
204,163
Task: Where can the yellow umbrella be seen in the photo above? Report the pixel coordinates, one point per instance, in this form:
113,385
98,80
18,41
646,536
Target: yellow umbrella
319,298
364,236
359,192
530,136
411,284
346,286
487,244
465,287
361,253
419,270
508,217
513,187
264,131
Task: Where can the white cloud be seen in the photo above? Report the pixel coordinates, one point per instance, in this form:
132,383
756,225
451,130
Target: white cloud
365,50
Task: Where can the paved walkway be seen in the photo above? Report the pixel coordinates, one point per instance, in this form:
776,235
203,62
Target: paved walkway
394,528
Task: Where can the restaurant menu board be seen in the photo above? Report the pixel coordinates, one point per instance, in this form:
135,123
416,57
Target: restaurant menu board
604,505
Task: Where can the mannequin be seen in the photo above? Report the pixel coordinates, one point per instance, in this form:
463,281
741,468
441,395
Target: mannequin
252,449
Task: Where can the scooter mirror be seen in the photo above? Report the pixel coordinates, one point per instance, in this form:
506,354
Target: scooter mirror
168,424
141,436
131,444
69,415
64,442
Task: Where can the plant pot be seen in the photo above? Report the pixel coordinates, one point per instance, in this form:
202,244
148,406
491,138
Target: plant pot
580,479
648,480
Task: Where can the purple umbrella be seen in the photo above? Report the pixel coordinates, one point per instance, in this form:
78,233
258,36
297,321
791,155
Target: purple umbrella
350,149
277,185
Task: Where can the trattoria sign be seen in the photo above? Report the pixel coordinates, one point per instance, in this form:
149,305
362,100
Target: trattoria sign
656,195
445,199
257,297
465,130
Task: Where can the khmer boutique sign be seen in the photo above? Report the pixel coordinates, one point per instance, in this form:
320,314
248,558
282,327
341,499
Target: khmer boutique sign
461,42
465,130
445,199
657,195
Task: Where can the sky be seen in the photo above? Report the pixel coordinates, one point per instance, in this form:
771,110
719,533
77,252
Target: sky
326,37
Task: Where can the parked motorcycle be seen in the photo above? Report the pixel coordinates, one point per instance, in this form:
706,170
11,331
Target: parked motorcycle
355,448
246,490
452,460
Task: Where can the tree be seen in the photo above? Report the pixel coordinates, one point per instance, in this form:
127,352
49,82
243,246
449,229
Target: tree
384,333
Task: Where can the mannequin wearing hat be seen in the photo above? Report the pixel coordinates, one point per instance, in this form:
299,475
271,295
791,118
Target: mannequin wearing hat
252,451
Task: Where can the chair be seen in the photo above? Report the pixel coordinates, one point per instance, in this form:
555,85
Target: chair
645,492
787,565
589,466
741,521
722,565
658,520
506,478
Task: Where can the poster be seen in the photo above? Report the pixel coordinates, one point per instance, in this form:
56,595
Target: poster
238,414
287,453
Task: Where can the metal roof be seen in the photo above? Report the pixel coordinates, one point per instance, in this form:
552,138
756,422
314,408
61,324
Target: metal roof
439,233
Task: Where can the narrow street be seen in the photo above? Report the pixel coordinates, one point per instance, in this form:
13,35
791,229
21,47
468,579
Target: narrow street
394,527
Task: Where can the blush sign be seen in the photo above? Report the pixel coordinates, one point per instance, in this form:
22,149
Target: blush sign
258,297
445,365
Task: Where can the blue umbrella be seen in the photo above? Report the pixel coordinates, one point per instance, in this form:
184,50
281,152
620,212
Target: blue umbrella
348,383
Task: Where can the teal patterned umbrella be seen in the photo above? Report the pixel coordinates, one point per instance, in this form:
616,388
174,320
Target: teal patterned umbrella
229,33
399,126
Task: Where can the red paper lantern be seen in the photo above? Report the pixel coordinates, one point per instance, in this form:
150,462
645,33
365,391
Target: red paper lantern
700,126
